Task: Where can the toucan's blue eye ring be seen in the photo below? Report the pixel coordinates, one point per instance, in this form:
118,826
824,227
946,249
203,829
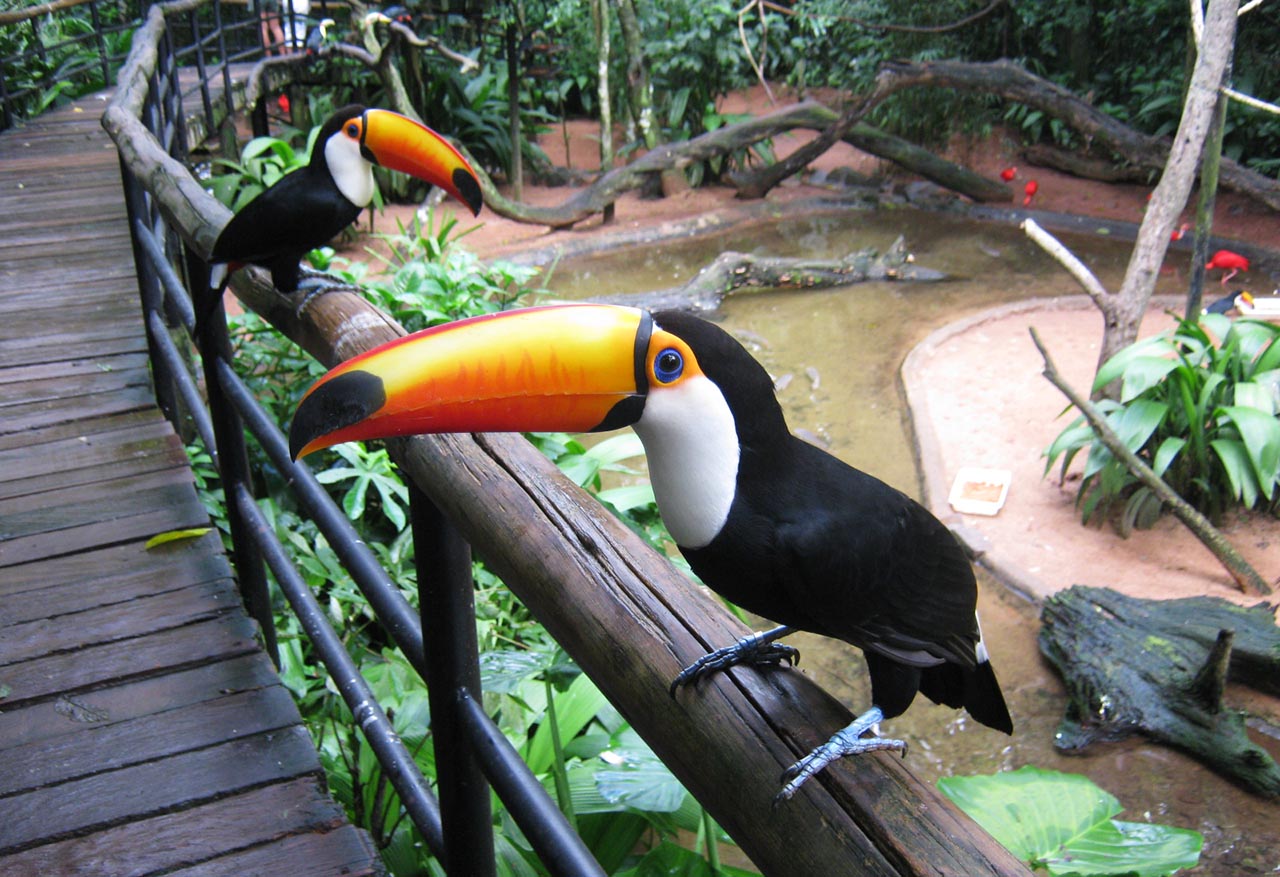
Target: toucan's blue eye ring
668,365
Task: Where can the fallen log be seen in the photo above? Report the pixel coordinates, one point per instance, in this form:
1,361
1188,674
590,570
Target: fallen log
1158,668
1012,82
731,272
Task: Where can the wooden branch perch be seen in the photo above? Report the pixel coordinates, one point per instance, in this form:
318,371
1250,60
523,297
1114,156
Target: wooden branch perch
1244,575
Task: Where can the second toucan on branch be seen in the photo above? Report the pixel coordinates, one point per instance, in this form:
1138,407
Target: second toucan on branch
771,522
307,208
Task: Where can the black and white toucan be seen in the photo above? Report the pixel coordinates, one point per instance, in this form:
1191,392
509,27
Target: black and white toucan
307,208
769,521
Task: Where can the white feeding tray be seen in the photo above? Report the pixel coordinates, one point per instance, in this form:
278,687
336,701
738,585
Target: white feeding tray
980,491
1264,306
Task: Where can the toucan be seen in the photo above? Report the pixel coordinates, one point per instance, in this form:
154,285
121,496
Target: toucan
767,520
305,209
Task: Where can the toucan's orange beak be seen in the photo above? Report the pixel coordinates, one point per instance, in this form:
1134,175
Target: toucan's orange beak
398,142
567,368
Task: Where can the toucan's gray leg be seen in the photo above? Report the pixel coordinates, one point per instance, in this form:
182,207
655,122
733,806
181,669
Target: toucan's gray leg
759,648
847,741
314,284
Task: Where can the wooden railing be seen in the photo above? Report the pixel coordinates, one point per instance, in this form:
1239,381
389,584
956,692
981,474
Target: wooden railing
628,618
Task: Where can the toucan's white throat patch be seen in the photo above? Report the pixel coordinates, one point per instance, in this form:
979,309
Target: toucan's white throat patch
691,442
350,170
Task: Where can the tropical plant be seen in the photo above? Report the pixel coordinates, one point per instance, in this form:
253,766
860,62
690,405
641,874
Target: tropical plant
1199,405
263,161
1064,824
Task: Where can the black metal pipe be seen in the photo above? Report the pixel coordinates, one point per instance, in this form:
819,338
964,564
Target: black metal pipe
158,333
175,293
554,842
389,604
446,596
397,762
233,463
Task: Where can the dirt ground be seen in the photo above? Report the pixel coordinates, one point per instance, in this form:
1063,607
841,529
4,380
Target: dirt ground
989,405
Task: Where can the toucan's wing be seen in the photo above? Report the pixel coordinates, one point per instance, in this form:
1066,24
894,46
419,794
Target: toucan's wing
878,570
300,212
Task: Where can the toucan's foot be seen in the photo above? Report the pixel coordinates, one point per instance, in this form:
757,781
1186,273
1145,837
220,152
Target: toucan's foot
759,648
315,284
847,741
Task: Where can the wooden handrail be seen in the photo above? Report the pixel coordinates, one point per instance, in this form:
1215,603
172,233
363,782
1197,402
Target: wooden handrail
626,615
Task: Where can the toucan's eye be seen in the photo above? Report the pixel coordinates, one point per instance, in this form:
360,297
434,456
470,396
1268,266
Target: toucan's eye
353,130
668,365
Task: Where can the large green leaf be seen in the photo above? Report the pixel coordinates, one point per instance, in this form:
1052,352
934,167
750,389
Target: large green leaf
1235,462
1143,373
1063,822
1113,368
1260,433
574,708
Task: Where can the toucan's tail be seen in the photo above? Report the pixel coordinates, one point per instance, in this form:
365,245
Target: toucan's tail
975,689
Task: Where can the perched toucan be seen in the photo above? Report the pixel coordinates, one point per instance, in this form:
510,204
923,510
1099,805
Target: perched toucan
769,521
305,209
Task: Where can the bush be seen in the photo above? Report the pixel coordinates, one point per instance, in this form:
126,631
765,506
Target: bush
1199,405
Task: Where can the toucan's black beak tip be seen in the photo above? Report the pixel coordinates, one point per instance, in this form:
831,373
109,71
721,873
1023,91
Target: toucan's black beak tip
469,189
342,401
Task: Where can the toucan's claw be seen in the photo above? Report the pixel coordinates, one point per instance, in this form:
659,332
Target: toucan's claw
846,741
756,650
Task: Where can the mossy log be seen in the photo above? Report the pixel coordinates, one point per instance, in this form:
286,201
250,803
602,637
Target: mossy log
732,271
1158,668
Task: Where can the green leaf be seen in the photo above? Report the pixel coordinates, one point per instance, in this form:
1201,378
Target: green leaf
624,499
1143,373
175,536
575,707
1113,368
1063,822
1167,453
636,778
669,860
1260,434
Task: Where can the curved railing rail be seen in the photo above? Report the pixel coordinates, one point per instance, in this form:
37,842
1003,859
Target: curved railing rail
626,616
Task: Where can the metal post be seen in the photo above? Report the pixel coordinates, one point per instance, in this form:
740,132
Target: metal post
447,602
233,457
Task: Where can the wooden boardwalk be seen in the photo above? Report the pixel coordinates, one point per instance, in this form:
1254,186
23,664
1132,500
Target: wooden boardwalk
142,728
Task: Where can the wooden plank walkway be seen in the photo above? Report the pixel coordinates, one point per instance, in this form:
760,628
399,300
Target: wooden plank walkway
142,728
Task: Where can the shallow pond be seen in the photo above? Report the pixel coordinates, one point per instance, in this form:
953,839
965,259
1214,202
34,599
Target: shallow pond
837,354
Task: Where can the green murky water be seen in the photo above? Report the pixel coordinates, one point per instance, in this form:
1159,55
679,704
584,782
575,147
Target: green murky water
836,354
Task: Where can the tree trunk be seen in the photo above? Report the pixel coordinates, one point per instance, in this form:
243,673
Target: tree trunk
1171,193
600,22
1157,667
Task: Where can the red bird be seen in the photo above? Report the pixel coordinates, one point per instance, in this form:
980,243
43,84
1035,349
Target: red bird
1232,263
1030,190
1008,174
283,103
1177,233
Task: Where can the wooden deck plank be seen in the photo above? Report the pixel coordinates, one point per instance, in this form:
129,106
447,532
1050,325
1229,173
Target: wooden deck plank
155,787
96,489
161,843
71,673
23,599
18,418
110,746
89,429
31,640
114,563
22,374
127,525
74,385
69,714
333,854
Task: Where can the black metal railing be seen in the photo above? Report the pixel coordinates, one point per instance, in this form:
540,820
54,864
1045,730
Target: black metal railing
45,54
438,639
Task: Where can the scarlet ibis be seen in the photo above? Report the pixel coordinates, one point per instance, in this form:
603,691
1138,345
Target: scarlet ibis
1232,263
1029,191
1178,233
306,208
773,523
1008,174
283,103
